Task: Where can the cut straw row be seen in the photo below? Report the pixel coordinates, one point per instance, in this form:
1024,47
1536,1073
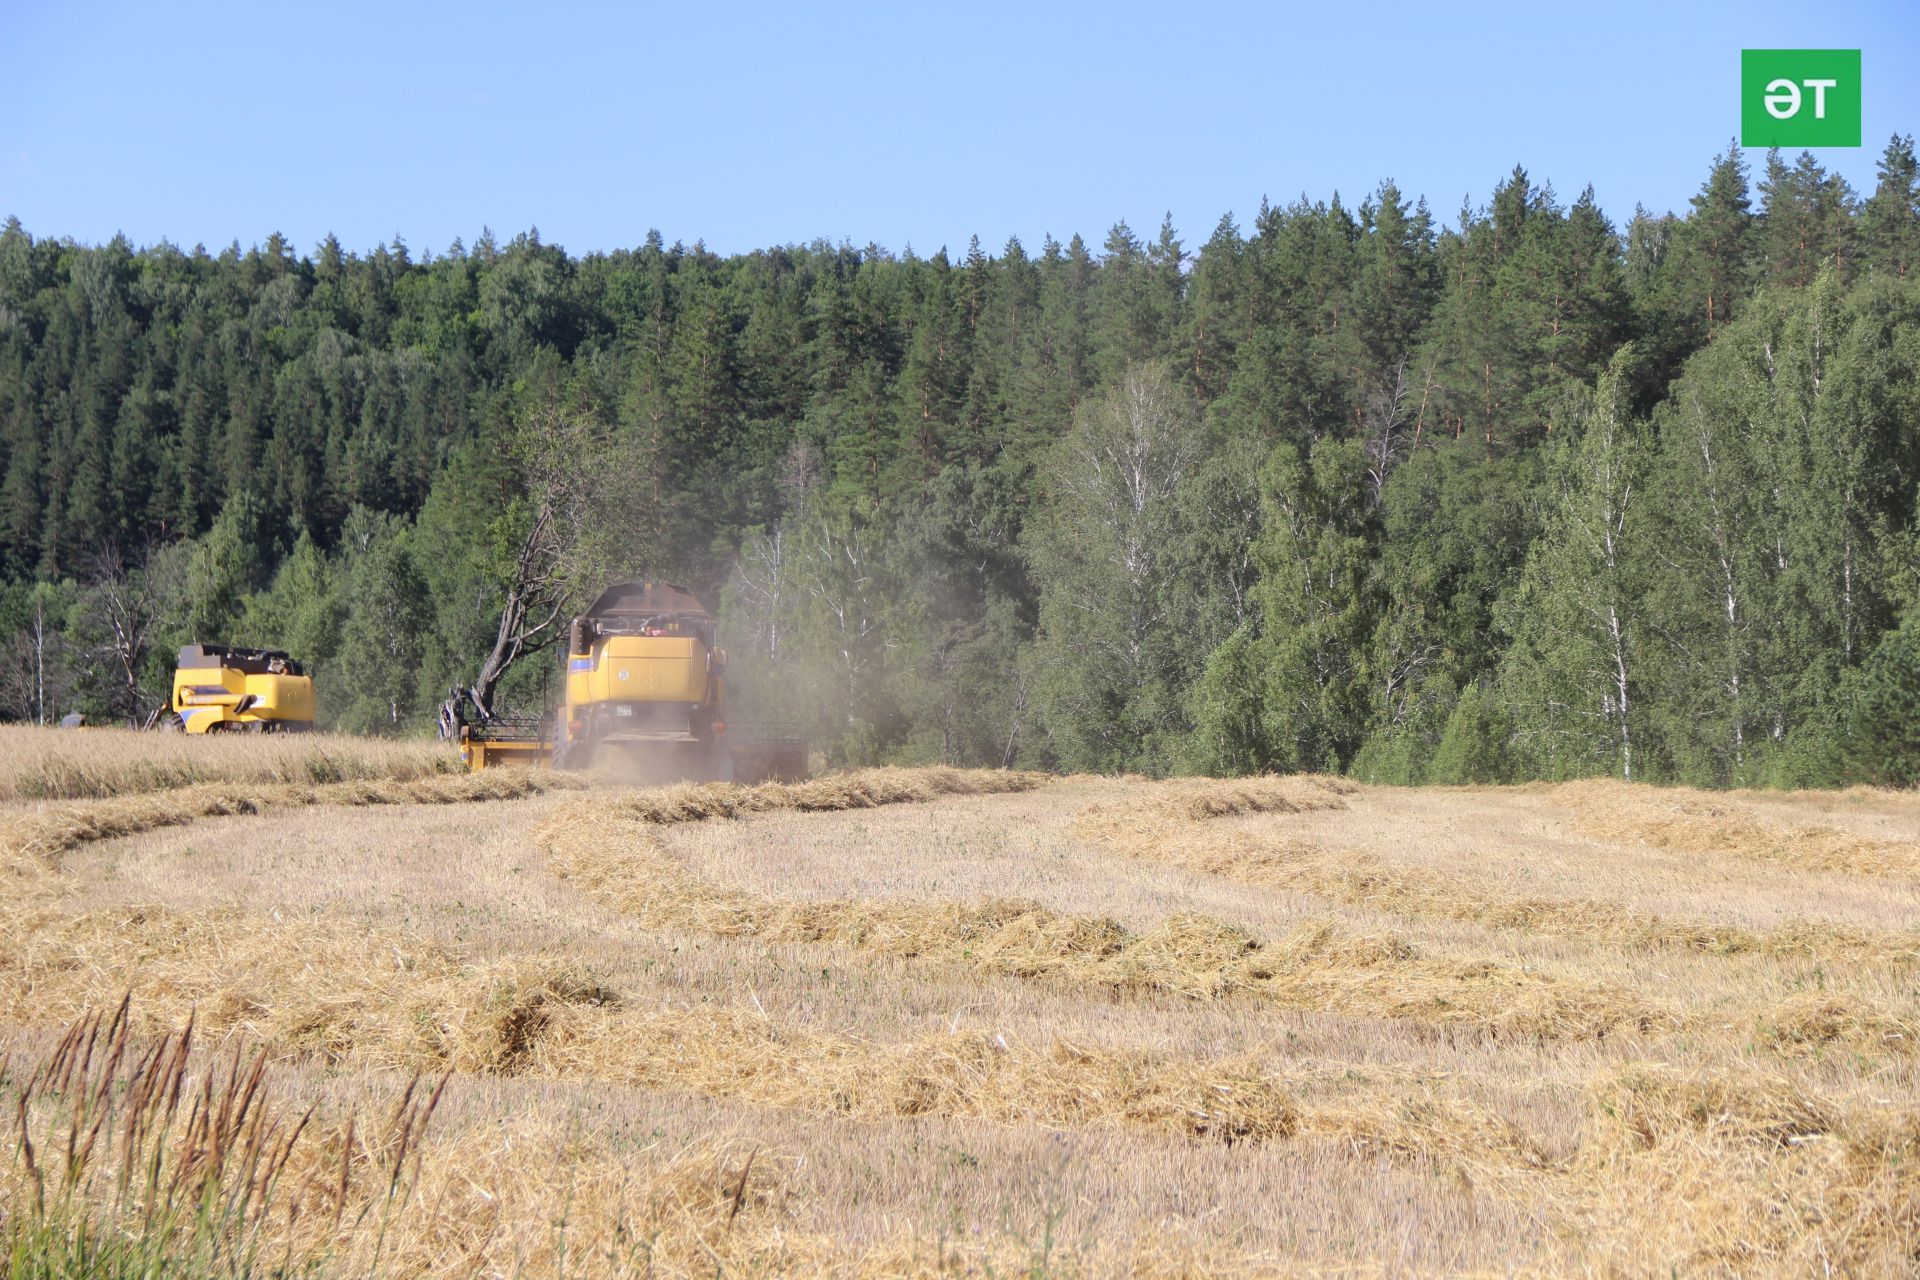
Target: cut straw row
1174,834
1690,821
610,851
37,838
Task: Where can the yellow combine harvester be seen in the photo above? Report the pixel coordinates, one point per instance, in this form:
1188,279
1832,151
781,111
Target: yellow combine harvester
646,696
645,681
219,688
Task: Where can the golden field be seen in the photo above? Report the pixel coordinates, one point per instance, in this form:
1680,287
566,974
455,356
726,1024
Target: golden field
950,1022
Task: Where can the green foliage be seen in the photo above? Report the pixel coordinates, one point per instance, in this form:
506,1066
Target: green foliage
1777,512
302,612
224,567
377,687
1123,558
1572,676
1889,229
1883,745
1394,758
1342,488
1296,696
1229,736
1476,746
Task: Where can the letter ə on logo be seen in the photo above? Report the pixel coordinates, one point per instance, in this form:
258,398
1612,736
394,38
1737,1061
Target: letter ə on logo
1783,99
1778,85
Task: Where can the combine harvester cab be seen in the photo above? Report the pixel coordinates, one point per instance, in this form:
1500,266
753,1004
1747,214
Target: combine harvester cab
220,688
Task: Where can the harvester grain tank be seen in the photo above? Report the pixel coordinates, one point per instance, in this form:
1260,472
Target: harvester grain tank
220,688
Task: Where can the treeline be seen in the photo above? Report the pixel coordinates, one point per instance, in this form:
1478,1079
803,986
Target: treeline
1525,496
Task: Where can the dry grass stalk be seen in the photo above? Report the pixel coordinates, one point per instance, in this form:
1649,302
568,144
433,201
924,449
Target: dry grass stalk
92,764
1690,821
608,850
154,1158
39,837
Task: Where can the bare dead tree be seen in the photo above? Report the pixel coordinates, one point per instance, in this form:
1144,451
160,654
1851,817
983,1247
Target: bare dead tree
34,679
581,508
126,610
763,584
1384,419
801,469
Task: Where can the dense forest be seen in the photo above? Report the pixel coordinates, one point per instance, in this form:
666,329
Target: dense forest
1343,488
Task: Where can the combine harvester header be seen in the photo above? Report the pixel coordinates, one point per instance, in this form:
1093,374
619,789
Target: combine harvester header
646,696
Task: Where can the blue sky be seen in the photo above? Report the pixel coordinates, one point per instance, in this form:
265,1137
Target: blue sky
747,125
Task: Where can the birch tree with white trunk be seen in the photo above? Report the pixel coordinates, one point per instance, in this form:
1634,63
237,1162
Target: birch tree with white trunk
1572,678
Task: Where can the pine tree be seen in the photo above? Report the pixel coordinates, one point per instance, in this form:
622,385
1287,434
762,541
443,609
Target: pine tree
1715,263
1474,342
1808,224
1396,278
1216,320
1890,217
1125,305
933,380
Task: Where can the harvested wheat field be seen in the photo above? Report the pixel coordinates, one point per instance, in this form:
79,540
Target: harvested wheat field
926,1022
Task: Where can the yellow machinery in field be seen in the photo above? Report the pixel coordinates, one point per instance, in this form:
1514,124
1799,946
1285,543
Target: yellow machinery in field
488,743
646,682
220,688
645,696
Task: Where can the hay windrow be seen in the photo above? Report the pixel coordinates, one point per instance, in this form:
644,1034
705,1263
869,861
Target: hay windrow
1146,831
1689,821
39,837
1646,1105
307,988
300,1178
859,789
611,852
1824,1017
768,1129
1737,1173
1709,1172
